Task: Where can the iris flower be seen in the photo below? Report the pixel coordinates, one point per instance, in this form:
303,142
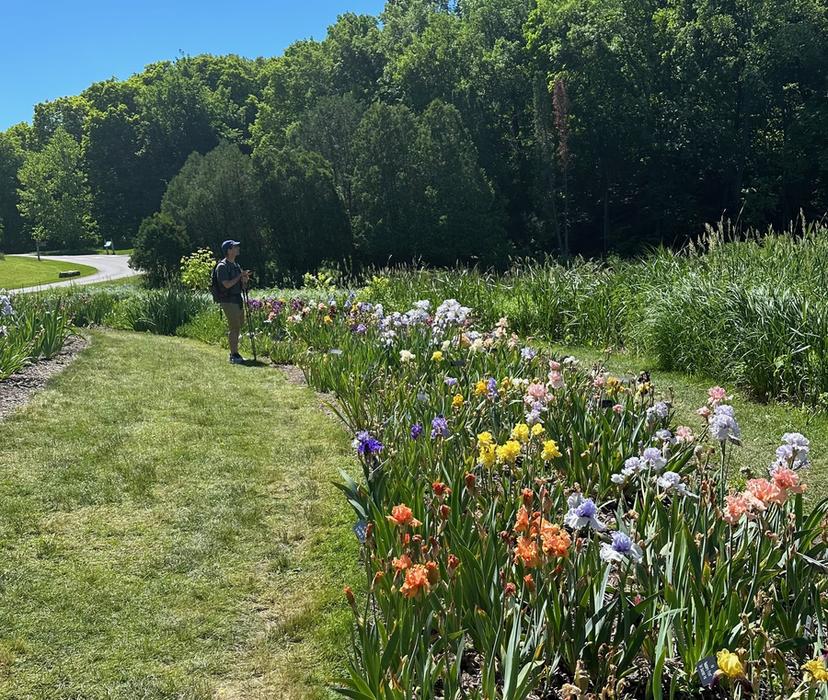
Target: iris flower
621,549
582,513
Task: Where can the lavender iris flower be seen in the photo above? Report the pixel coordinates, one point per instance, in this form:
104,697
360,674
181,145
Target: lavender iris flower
533,417
666,437
793,454
723,425
416,431
658,412
622,548
631,467
653,456
6,308
582,512
671,481
439,427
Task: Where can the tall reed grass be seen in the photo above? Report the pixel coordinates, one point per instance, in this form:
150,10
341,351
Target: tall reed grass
750,309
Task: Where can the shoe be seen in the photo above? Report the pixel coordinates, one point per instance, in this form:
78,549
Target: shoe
237,359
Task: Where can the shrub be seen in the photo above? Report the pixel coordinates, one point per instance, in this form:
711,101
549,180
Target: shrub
159,247
197,269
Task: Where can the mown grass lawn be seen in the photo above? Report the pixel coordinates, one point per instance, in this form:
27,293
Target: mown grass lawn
762,424
134,281
168,529
17,271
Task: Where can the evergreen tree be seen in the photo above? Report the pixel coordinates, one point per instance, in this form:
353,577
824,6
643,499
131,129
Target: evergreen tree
159,247
305,218
387,186
461,220
215,198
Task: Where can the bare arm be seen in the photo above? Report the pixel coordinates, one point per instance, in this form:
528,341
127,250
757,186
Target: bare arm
244,276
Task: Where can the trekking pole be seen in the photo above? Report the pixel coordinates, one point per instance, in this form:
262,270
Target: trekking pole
249,321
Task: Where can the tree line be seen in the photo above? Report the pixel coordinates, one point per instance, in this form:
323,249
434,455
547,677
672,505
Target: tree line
443,131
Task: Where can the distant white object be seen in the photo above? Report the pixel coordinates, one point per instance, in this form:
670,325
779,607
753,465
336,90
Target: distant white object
108,245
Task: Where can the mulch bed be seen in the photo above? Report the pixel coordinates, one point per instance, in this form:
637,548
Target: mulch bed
16,390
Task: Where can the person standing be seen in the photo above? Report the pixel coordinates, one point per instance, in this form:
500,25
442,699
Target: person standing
231,279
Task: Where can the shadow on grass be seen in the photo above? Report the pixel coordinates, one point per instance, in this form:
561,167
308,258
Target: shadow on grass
256,363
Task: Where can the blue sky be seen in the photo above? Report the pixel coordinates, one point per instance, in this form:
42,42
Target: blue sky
52,48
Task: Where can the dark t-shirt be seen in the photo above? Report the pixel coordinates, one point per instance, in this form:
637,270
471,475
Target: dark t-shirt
225,271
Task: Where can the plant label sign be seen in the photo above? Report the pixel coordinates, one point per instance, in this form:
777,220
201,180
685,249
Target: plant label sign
361,530
706,668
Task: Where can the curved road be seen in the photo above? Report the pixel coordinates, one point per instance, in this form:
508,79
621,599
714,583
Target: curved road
110,267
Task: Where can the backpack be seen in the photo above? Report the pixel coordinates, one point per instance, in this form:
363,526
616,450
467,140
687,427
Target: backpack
217,289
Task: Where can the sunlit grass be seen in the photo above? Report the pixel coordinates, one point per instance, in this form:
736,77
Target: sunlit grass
168,528
17,271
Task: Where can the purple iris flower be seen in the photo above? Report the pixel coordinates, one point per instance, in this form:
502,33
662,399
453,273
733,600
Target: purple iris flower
582,512
587,509
439,427
416,431
366,444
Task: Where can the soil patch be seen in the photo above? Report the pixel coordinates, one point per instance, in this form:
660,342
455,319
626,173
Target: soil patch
294,374
16,390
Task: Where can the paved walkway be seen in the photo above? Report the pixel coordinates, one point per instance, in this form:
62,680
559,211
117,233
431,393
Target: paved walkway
110,267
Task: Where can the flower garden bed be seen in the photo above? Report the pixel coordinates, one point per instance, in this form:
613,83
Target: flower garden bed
537,529
31,329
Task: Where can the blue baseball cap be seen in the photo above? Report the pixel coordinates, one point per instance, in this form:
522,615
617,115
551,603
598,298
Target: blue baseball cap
228,244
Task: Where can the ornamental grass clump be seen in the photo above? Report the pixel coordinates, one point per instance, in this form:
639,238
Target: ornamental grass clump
539,529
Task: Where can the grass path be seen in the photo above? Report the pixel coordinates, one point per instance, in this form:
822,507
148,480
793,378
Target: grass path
168,529
762,424
17,271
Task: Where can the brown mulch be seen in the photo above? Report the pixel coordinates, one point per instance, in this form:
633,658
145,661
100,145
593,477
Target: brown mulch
16,390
